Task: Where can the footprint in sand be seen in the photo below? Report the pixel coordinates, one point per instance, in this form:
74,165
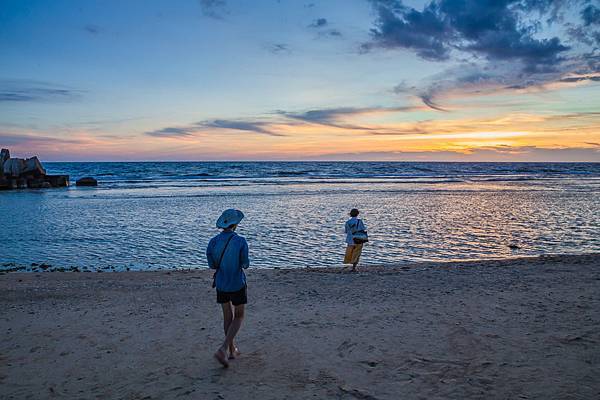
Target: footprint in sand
345,348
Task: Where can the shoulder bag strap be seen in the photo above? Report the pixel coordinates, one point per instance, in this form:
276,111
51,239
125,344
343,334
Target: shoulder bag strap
357,226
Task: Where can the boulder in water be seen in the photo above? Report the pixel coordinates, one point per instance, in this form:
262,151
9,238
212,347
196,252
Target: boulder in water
35,183
4,155
86,181
33,166
4,183
17,173
13,167
58,180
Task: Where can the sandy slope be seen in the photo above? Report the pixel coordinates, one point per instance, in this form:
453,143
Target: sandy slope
520,329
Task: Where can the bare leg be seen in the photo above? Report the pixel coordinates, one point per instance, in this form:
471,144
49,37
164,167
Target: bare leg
221,355
354,266
233,329
227,318
227,315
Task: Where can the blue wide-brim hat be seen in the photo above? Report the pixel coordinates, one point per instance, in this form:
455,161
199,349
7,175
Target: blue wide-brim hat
229,217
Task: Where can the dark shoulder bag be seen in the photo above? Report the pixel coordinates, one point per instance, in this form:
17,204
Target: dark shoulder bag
214,283
359,236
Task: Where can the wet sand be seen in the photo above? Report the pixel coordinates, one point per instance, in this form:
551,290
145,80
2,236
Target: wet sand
514,329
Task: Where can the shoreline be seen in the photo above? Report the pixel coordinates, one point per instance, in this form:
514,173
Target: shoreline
511,328
10,267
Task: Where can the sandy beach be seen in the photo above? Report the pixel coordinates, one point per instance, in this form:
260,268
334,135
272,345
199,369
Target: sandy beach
513,329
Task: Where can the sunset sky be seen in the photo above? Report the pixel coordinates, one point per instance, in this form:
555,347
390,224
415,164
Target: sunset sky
448,80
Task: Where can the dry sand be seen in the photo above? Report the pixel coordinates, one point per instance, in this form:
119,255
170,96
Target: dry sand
513,329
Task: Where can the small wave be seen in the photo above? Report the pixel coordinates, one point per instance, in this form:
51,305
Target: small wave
200,174
292,173
507,179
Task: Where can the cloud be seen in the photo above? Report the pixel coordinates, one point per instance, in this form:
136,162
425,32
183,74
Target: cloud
191,130
92,29
238,125
591,15
318,23
11,139
368,123
216,9
500,45
18,90
334,116
581,78
492,29
401,27
286,121
172,132
278,48
470,80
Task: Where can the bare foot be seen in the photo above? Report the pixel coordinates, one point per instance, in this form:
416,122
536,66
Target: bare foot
235,353
222,358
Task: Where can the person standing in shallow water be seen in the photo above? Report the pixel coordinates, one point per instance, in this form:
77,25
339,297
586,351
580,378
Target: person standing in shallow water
227,254
353,250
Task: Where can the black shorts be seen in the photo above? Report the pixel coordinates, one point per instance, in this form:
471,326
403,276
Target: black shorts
236,298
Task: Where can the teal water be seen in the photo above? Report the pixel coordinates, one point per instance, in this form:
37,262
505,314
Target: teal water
161,215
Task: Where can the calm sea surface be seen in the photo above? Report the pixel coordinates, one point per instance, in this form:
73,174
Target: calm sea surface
161,215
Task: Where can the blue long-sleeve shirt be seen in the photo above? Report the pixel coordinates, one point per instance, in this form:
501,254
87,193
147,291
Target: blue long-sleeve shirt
230,276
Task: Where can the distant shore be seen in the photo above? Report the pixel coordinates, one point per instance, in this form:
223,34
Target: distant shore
517,328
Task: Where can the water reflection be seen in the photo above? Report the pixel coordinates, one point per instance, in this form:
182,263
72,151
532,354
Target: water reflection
291,226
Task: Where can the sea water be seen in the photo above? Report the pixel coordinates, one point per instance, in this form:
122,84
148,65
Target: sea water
150,215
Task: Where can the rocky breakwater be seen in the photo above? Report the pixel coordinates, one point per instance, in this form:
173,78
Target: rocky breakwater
20,173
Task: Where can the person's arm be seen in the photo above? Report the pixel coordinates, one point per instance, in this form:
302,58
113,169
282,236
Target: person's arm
346,227
362,226
210,253
244,258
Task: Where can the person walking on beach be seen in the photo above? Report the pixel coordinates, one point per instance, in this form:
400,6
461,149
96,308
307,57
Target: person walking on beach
356,235
227,254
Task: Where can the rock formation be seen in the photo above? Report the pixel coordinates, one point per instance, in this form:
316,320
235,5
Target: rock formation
19,173
86,181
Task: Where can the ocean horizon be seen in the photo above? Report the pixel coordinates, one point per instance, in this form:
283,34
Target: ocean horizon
160,215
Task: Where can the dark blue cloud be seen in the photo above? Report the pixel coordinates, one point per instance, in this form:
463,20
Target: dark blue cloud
33,91
216,9
331,116
172,132
494,29
325,116
318,23
321,24
9,139
238,125
401,27
278,48
591,15
582,78
92,29
500,43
